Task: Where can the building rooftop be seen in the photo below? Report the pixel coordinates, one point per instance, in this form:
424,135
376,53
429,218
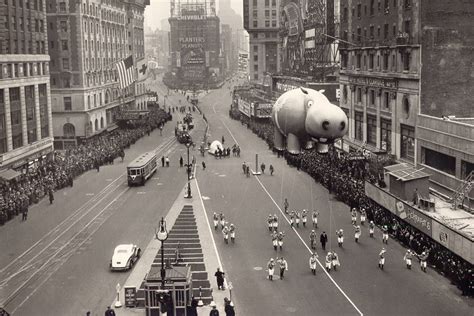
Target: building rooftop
405,172
458,220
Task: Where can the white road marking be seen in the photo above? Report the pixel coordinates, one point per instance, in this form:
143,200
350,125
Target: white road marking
222,175
210,232
159,183
90,194
257,268
309,249
205,198
108,180
141,192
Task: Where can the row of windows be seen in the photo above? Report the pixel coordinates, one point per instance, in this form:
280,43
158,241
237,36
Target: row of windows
407,134
267,23
18,70
374,33
22,47
371,8
28,4
376,61
267,3
23,24
16,116
385,97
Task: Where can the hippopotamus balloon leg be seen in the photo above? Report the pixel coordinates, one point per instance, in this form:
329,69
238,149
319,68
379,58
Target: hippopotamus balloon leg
293,144
278,140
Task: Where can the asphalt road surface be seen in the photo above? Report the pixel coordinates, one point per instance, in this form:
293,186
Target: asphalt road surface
56,263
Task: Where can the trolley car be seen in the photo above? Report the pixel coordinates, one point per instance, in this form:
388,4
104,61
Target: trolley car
141,169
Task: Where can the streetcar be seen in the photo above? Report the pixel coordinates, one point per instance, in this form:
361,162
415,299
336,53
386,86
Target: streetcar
141,169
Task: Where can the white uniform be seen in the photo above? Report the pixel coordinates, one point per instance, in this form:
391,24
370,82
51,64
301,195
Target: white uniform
312,262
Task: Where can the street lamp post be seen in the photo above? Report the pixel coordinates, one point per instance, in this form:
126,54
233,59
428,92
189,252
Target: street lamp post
188,167
162,235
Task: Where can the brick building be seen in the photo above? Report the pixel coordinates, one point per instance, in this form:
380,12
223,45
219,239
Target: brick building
86,40
25,105
394,104
261,20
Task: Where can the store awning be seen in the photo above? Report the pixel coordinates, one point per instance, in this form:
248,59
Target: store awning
9,174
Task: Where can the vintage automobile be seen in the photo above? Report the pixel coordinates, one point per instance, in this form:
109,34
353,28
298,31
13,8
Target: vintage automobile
124,257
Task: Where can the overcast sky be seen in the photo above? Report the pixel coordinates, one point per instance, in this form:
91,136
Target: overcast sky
160,9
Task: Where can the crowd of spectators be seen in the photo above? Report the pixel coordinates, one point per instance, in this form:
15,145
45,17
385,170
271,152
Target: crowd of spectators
56,173
344,174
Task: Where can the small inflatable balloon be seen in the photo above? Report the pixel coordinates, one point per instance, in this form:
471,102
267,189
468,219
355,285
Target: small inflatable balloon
306,116
215,145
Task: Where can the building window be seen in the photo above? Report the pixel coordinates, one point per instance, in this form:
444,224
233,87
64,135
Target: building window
267,3
274,23
439,161
63,26
358,120
255,76
385,61
406,60
62,6
255,23
407,27
385,31
65,63
69,131
386,100
372,7
64,45
407,143
372,98
386,135
371,61
359,95
358,60
466,168
371,130
67,104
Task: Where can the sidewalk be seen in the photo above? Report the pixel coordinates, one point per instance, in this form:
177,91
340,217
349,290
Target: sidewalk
211,259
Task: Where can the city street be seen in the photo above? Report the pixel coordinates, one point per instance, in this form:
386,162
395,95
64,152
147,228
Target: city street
57,262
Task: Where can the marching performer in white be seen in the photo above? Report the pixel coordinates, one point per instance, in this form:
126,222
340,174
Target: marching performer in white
328,261
271,269
314,217
357,233
363,216
280,239
385,234
270,222
297,218
353,216
292,218
216,220
222,220
275,240
335,260
312,239
232,233
304,217
423,258
407,258
382,258
225,232
312,262
371,229
275,222
340,237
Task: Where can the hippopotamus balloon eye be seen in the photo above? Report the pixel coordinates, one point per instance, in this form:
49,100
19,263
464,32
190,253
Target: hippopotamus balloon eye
310,103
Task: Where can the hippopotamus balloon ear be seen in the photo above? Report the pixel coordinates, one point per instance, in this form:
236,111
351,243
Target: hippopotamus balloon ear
303,90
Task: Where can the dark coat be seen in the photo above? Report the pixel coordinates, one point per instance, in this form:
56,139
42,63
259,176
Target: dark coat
323,238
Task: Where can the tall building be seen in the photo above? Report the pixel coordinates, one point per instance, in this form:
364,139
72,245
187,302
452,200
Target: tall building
261,20
194,45
397,106
86,40
229,17
157,47
25,105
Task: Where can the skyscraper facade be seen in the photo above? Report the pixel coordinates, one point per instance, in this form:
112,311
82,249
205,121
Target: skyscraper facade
25,105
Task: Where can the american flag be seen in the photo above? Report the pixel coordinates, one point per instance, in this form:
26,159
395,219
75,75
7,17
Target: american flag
126,72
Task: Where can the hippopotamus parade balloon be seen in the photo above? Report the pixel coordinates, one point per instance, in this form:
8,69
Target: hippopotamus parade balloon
306,116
